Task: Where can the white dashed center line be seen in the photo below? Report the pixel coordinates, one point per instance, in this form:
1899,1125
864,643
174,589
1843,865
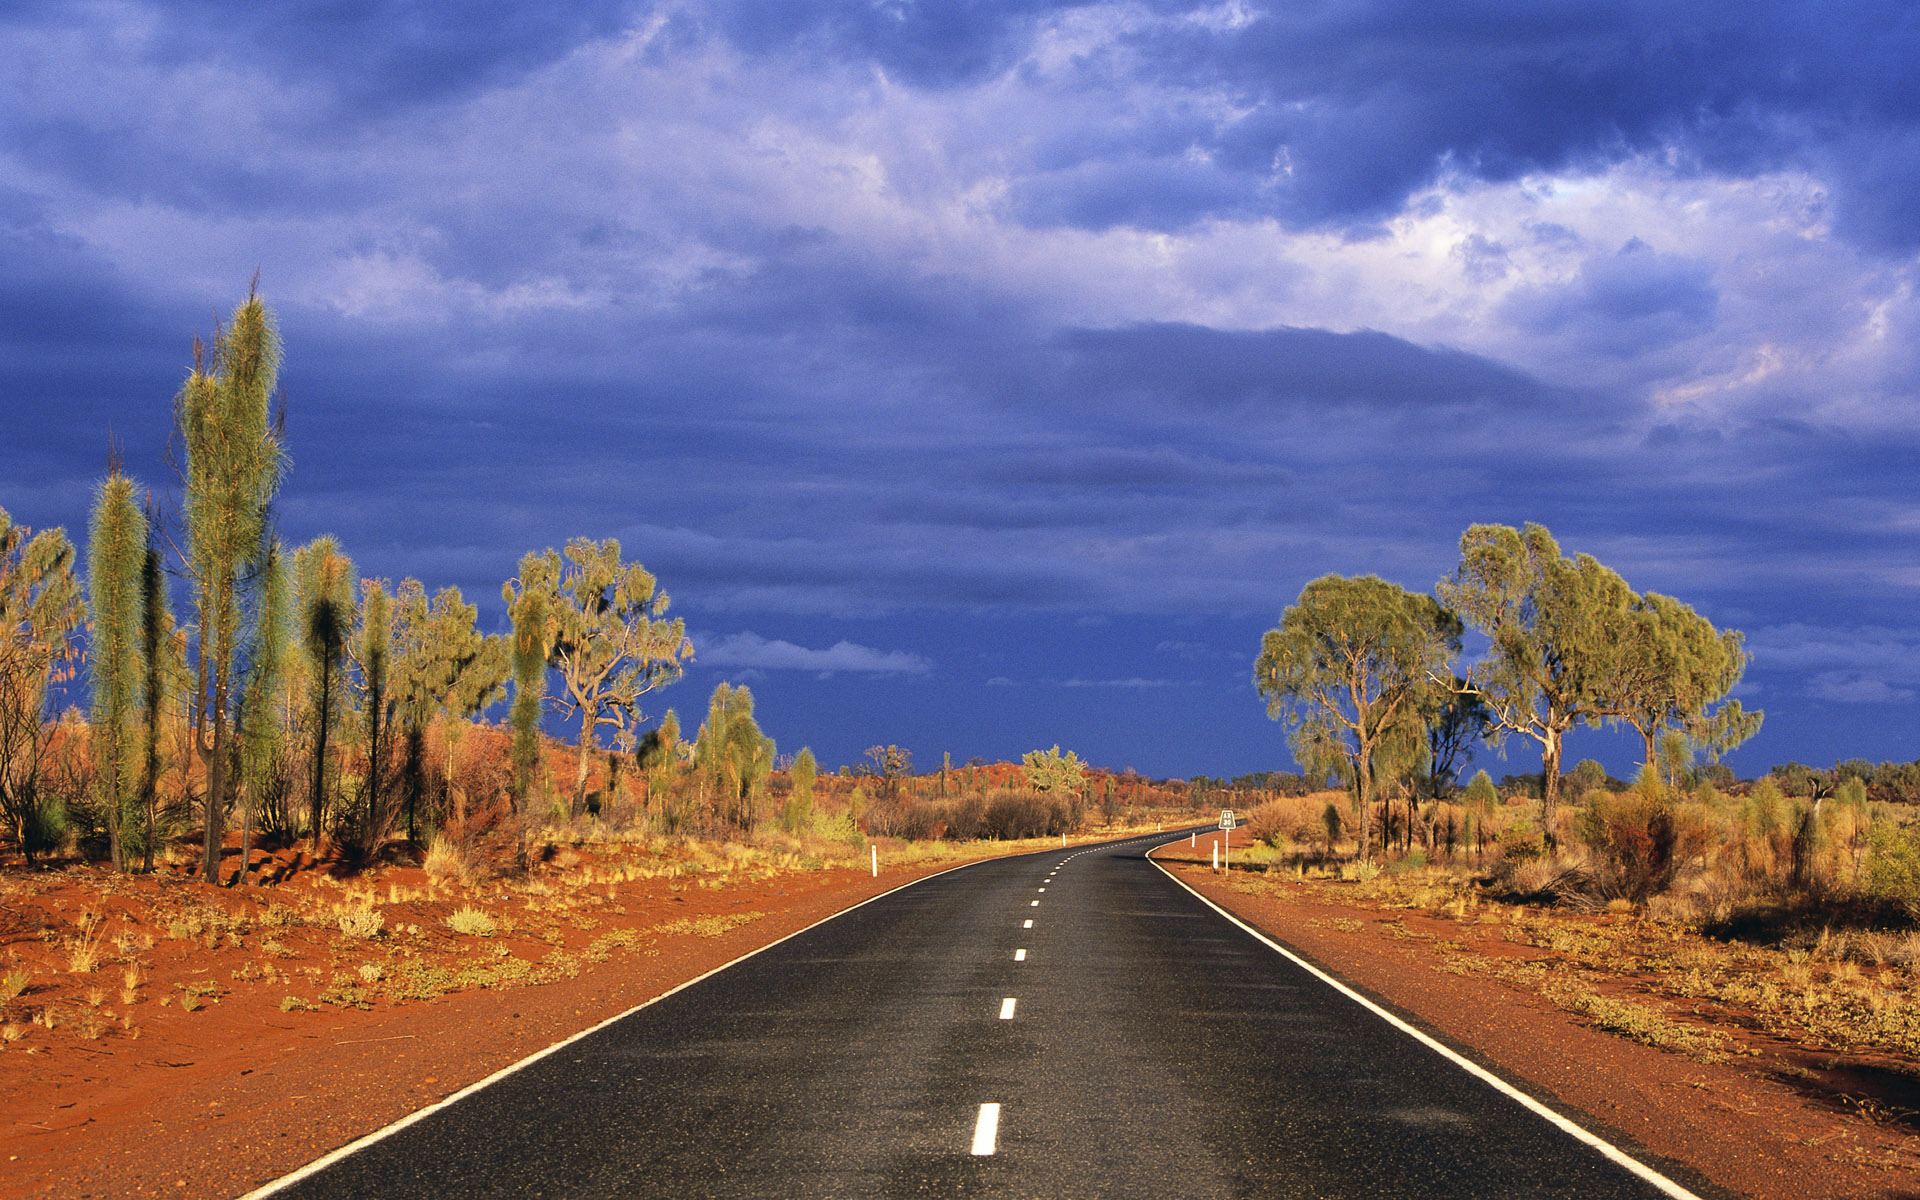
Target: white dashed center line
1019,956
1043,889
1035,904
1006,1009
986,1128
1028,924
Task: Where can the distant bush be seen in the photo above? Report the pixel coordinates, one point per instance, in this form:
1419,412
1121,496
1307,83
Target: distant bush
1022,814
1639,841
1284,822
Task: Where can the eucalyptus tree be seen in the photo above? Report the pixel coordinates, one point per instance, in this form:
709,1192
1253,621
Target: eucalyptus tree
1675,674
443,665
732,755
116,556
323,577
40,607
1354,663
233,466
1558,628
606,635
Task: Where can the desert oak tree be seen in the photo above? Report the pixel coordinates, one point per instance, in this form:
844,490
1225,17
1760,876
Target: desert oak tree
1353,661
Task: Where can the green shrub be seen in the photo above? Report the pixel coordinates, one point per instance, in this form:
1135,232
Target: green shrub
1893,866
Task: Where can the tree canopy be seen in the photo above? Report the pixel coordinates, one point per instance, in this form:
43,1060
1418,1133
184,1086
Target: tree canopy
1354,667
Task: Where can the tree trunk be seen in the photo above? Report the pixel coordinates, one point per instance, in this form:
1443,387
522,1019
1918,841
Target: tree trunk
317,802
580,772
216,784
246,840
1550,786
1363,782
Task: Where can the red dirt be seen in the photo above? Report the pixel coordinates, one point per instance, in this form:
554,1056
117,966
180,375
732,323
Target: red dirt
1732,1122
216,1101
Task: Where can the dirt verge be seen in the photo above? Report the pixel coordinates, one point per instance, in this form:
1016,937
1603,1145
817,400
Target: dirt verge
1735,1122
240,1089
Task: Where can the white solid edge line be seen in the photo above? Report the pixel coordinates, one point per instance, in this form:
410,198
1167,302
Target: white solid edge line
1570,1128
985,1128
360,1143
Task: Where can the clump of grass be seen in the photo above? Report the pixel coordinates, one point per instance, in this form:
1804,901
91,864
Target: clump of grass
84,951
371,972
13,984
448,860
12,1032
471,921
361,921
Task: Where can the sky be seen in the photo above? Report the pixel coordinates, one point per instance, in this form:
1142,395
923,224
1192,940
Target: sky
979,376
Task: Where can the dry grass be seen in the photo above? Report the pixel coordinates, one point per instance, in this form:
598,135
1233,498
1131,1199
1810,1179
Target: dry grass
86,948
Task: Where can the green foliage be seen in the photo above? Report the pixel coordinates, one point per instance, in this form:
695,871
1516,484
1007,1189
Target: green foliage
605,632
323,615
40,607
442,664
805,771
1050,771
263,778
1892,870
1586,776
1481,795
1674,668
233,467
527,608
116,555
1557,628
1354,667
733,755
797,815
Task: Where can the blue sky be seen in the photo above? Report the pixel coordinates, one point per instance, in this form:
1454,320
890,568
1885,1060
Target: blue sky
981,376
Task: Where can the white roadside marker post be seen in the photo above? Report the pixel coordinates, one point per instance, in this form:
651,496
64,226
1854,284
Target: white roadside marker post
1216,855
876,861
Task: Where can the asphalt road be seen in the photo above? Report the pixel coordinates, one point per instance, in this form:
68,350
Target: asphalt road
1136,1043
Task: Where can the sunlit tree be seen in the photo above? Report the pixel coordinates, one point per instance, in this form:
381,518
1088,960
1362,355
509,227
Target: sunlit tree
1352,665
324,580
732,755
606,634
1558,626
233,465
116,556
40,608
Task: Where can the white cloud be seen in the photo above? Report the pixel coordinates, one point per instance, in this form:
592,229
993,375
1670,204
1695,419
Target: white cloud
750,650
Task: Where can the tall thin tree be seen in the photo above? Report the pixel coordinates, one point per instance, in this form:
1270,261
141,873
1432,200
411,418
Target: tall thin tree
160,671
116,555
527,605
262,738
324,578
234,462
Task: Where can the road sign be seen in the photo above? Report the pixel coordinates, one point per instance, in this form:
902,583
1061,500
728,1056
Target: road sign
1226,818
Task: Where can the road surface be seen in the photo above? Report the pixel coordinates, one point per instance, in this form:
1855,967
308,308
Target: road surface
1065,1024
